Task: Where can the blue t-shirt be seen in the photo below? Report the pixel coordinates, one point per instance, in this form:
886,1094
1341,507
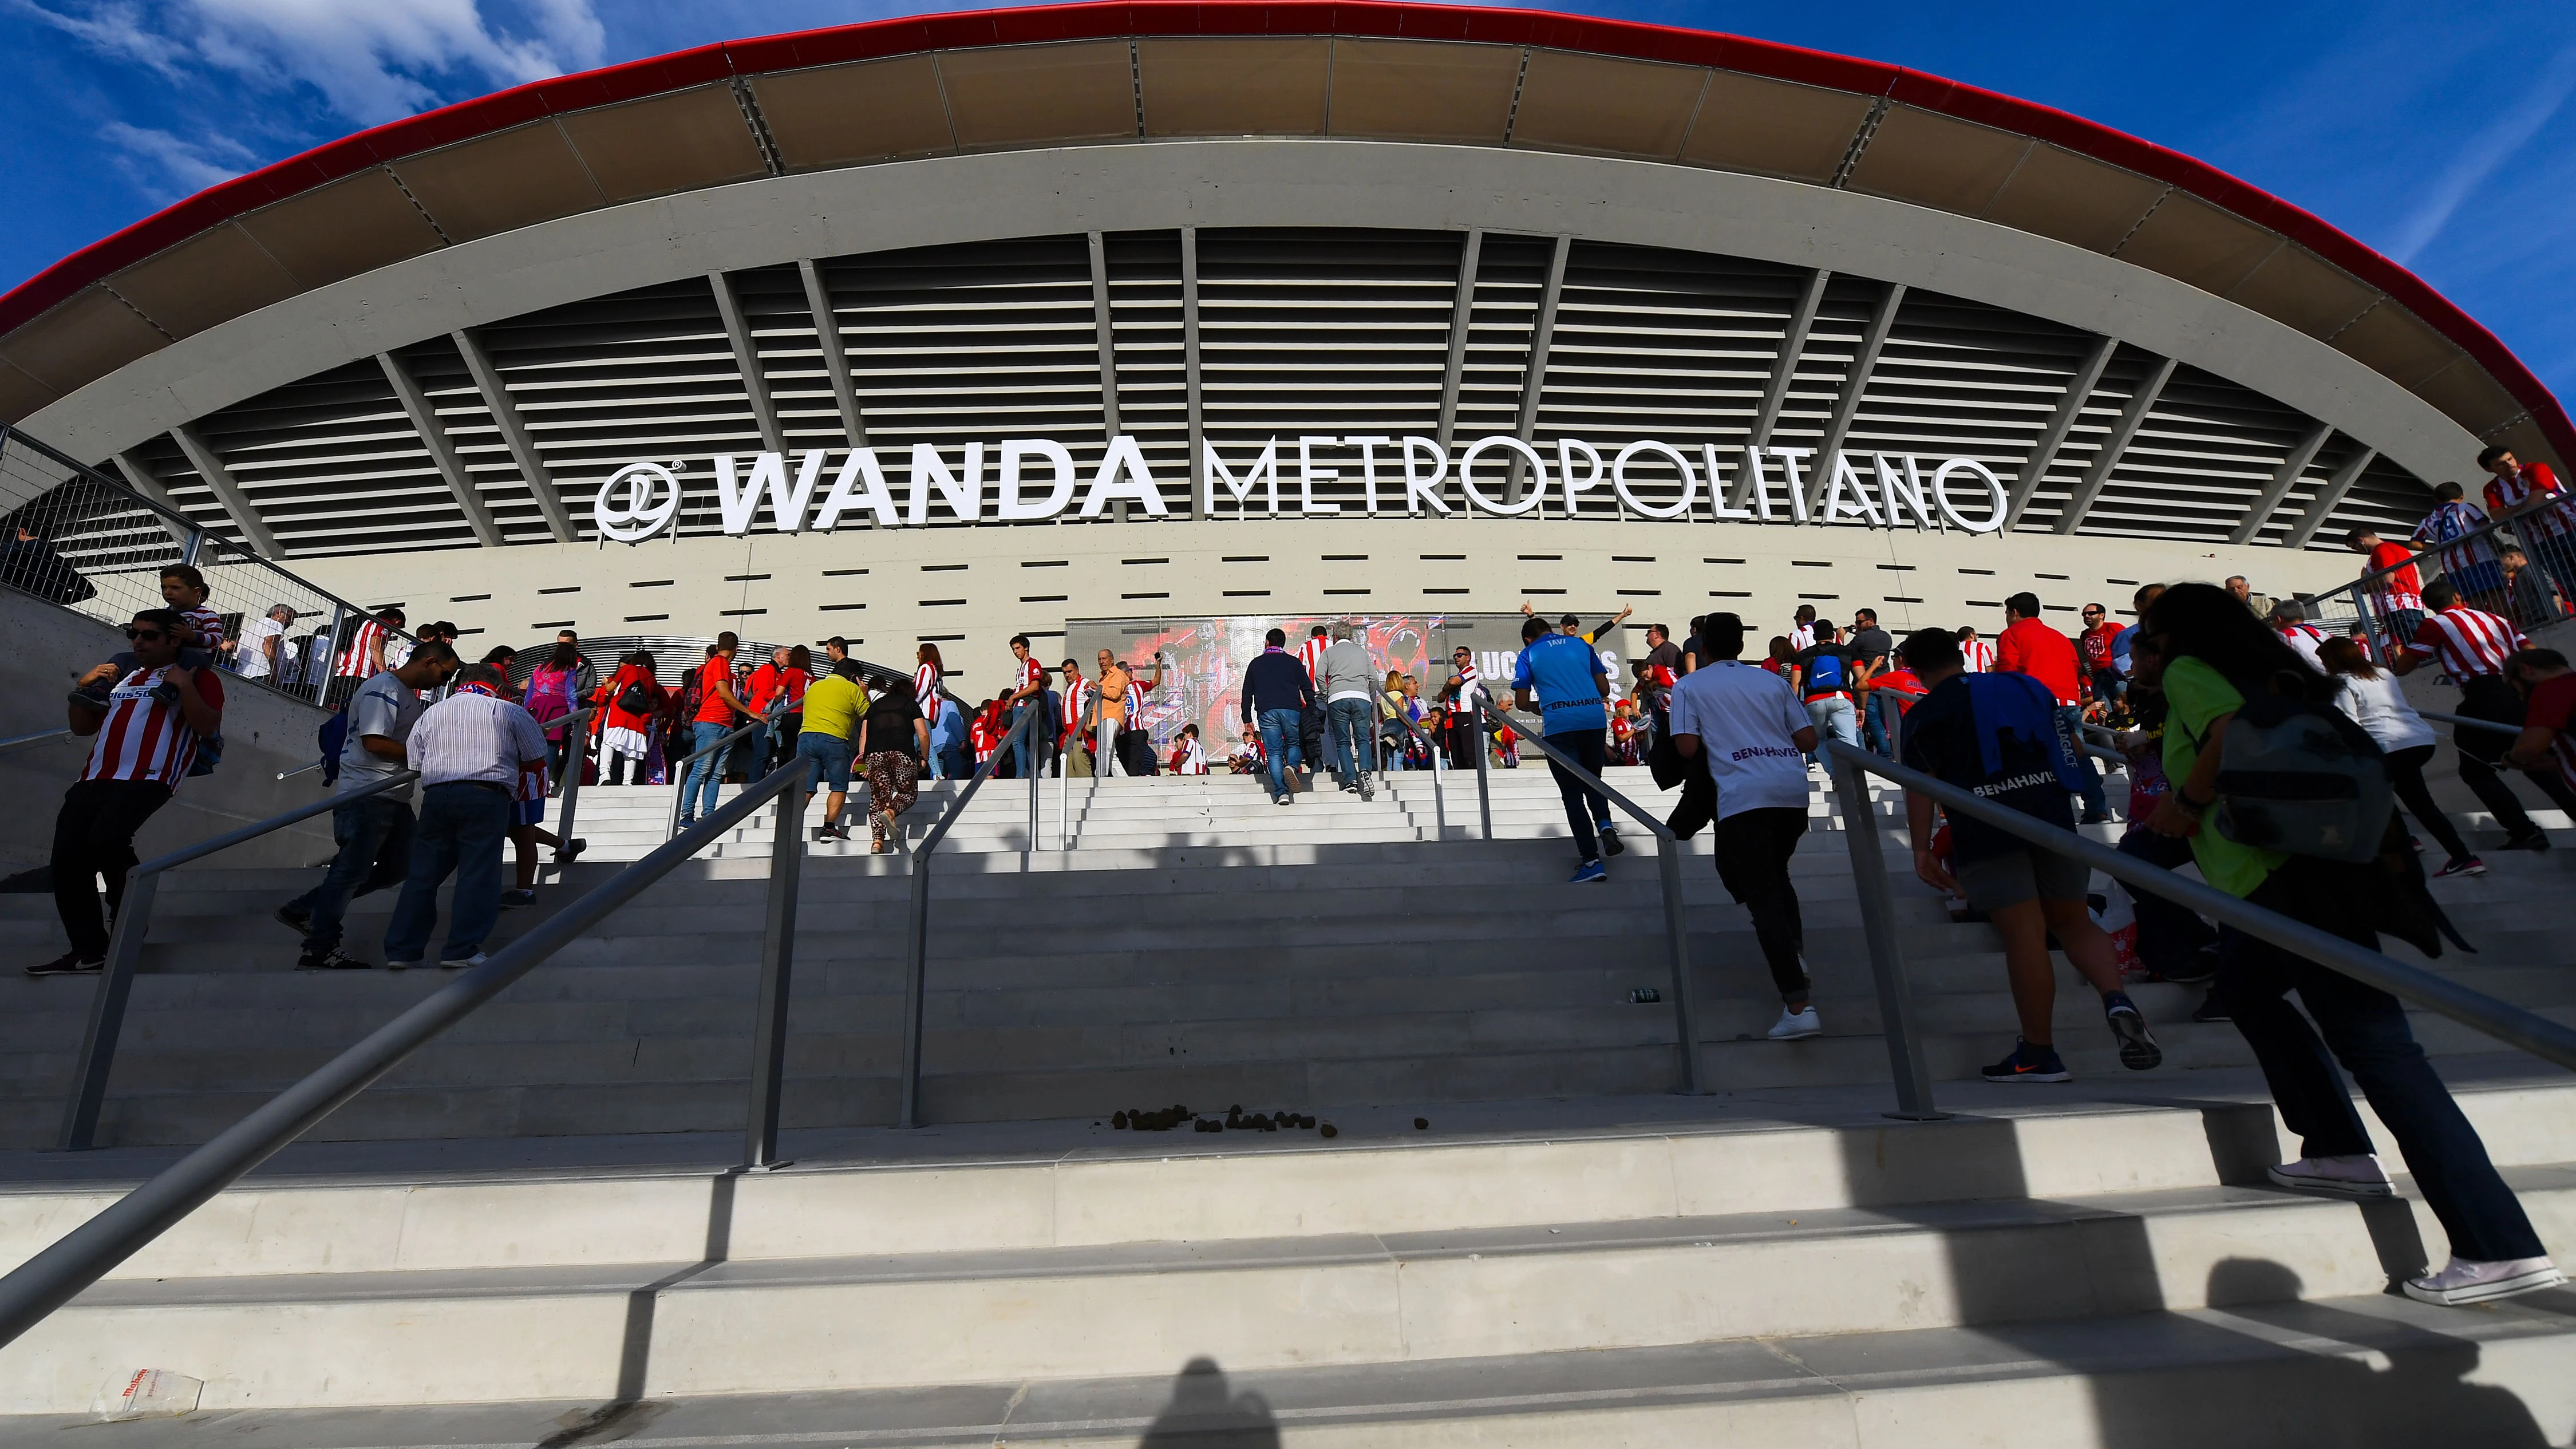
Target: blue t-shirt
1564,672
2120,649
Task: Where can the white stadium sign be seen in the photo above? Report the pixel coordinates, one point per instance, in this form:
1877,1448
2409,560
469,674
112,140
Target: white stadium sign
1035,479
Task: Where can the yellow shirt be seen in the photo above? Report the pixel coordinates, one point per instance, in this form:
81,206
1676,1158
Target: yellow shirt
833,706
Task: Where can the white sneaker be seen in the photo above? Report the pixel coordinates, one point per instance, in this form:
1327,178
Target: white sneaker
2360,1176
2467,1282
462,962
403,965
1794,1025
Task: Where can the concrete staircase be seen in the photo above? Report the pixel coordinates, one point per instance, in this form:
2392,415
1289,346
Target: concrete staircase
531,1235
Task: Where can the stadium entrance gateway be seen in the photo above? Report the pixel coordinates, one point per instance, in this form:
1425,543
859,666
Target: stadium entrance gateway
1034,480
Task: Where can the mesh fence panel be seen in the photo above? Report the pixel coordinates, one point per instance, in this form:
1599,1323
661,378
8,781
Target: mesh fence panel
75,537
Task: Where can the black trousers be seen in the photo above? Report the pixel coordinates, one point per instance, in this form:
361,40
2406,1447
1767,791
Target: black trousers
1753,849
2488,697
2406,774
93,837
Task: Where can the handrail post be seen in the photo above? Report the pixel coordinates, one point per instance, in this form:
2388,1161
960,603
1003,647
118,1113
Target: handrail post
916,958
324,668
1031,762
1439,801
1668,865
107,1012
1484,788
1886,954
577,758
777,968
1063,799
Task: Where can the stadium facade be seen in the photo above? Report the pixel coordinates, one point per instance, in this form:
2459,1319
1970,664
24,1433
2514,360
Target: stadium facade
950,328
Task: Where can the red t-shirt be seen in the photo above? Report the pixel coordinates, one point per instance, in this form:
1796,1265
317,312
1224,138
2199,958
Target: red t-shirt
2553,703
1902,686
2096,644
711,706
2031,647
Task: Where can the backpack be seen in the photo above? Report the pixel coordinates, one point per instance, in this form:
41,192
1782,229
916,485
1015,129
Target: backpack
549,693
333,737
2302,777
635,698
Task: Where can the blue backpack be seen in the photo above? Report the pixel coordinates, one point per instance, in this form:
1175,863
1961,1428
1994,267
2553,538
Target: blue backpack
333,737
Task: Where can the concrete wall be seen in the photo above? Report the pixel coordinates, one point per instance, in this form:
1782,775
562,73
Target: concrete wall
264,732
1031,578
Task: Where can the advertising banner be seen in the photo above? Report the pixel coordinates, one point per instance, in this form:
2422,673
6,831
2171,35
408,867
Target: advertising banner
1203,658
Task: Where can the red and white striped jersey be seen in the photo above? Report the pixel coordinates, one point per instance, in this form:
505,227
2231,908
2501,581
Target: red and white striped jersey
925,685
1076,694
2400,587
1311,654
2307,639
1462,705
2469,642
356,661
204,628
1980,655
1031,675
144,738
2514,489
1135,701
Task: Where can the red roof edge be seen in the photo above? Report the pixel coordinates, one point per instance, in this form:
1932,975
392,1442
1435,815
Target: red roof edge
1103,19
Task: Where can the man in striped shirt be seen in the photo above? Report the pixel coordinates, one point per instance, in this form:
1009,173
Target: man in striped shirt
145,733
364,659
470,749
1979,654
2530,495
2469,563
2400,591
2472,645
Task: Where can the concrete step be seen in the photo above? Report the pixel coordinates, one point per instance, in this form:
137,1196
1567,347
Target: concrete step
1062,1253
2371,1372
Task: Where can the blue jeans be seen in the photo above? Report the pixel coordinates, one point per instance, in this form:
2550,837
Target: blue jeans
1025,759
1834,718
2363,1029
1279,745
1880,723
462,826
374,836
1348,724
709,768
2094,803
827,760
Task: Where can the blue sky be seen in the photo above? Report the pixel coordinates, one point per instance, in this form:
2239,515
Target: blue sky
2444,136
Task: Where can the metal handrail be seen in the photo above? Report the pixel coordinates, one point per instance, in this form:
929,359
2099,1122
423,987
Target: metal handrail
577,755
679,772
125,952
2483,533
2510,1024
1668,863
2455,721
917,931
89,1252
21,742
1439,800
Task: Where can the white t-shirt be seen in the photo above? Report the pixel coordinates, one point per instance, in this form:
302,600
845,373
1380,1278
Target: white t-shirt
251,652
1747,719
2381,710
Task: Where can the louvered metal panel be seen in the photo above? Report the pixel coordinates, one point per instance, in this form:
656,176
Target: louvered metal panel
1961,380
477,440
1511,272
1145,329
333,465
1330,332
2207,450
1680,347
646,374
971,343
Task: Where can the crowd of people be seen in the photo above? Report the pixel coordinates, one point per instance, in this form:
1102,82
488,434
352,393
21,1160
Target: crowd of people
2198,675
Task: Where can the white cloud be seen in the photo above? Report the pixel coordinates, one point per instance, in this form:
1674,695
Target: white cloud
2536,99
371,60
172,166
